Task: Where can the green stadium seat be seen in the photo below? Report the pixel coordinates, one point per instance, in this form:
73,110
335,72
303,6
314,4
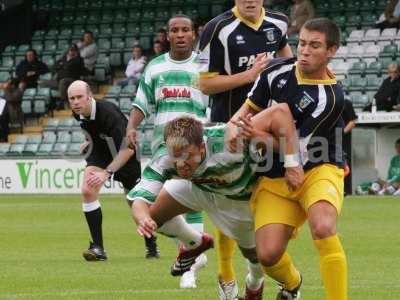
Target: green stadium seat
39,107
49,137
146,29
385,61
4,148
37,46
117,43
93,28
129,42
115,58
134,16
80,19
358,84
162,15
83,5
104,45
35,139
52,34
112,100
63,45
93,18
22,49
97,4
373,82
368,20
114,91
105,31
7,63
389,51
133,29
358,68
374,67
65,124
148,15
118,30
52,124
145,42
49,61
29,94
38,35
120,16
107,18
44,149
68,19
78,31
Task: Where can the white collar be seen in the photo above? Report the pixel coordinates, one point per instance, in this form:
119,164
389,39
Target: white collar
93,111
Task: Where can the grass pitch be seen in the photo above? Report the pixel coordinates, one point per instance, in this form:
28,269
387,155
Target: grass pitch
42,237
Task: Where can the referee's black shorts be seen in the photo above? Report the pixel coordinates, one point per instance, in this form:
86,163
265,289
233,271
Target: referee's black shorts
128,175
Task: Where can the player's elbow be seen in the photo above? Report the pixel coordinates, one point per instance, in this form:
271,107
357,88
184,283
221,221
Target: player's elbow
204,85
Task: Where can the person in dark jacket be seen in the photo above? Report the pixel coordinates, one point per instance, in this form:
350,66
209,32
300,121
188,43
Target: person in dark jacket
388,92
29,70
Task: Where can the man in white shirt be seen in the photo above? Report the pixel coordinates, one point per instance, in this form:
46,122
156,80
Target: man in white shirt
88,51
135,67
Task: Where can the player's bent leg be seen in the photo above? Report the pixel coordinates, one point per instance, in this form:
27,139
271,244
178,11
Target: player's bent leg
225,247
322,217
271,241
255,276
92,209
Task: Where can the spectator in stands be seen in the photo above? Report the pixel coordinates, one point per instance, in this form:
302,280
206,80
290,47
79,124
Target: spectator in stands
29,70
135,67
391,16
300,12
13,96
68,69
349,117
388,93
4,121
198,32
88,51
161,36
389,187
157,50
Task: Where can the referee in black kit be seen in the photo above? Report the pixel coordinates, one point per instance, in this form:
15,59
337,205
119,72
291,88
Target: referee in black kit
105,126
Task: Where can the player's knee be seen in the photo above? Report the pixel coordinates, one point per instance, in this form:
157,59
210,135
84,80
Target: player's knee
323,229
250,254
269,256
88,193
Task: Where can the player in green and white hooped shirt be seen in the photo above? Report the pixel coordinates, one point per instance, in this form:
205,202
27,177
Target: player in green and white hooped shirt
170,84
220,184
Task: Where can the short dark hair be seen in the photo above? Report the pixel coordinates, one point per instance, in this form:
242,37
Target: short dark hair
138,46
397,141
33,51
181,16
327,27
161,30
88,32
183,131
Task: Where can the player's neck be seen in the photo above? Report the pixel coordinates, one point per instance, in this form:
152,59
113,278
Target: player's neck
180,56
322,74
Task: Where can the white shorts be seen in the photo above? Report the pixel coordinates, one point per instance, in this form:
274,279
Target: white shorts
232,217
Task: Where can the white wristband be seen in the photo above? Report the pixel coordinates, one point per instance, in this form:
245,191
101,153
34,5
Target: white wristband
291,161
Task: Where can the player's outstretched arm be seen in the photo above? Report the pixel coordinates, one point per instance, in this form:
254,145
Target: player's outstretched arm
222,83
141,216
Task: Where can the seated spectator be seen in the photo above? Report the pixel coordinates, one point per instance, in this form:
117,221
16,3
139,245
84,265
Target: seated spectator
157,50
300,12
68,69
198,32
391,16
13,96
88,51
4,121
29,70
135,67
388,93
161,36
389,187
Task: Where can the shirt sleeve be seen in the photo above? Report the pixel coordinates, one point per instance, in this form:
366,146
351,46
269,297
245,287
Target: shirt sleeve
259,96
152,181
212,54
145,94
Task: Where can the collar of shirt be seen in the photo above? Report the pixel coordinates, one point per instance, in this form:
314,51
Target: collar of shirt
92,112
255,25
179,61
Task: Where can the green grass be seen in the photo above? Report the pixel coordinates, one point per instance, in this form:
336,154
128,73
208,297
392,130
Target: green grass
42,237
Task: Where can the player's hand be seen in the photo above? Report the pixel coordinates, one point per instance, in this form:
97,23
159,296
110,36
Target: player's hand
146,227
97,178
131,138
233,139
294,177
261,62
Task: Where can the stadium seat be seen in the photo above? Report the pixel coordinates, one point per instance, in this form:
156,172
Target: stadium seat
112,100
115,58
65,124
145,42
77,137
356,36
21,50
358,99
21,139
128,91
26,106
52,34
4,76
125,104
133,29
389,51
357,84
16,149
39,107
44,149
358,68
7,64
49,137
372,35
146,29
104,45
368,20
373,82
114,91
74,149
30,149
4,148
356,51
388,34
52,124
35,139
341,68
59,149
63,137
354,20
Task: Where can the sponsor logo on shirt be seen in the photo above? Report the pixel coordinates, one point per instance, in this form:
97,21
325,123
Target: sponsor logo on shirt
208,181
176,93
240,39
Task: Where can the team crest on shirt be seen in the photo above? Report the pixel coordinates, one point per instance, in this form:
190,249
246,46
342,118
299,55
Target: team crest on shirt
270,35
305,101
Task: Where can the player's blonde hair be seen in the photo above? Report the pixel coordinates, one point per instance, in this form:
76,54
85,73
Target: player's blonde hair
183,131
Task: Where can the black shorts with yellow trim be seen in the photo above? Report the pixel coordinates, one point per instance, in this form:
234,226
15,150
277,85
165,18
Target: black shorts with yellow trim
273,203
